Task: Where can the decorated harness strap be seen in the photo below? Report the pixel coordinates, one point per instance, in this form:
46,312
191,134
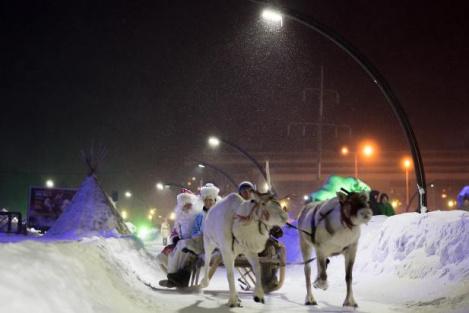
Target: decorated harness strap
314,224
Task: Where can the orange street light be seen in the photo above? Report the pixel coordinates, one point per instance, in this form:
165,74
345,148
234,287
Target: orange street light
368,150
344,150
407,164
365,149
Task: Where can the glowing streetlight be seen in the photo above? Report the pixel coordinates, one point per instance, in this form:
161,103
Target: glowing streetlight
49,183
344,150
407,164
213,142
128,194
172,216
272,16
203,165
306,197
367,150
124,214
160,186
451,204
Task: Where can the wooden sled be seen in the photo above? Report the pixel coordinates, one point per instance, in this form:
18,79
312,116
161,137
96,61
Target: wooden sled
272,261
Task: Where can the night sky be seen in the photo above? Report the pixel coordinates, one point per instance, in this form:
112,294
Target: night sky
151,79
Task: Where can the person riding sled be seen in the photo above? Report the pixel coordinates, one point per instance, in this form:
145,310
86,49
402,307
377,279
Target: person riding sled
183,255
185,215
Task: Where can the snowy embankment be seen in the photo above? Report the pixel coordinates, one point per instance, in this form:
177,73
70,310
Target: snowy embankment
406,263
93,275
417,246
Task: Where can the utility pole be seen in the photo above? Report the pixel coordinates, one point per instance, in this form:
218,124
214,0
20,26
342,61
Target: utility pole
320,120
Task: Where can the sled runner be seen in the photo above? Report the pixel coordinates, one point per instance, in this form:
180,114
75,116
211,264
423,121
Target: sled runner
272,261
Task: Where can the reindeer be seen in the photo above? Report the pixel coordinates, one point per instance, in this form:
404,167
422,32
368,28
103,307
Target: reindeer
236,226
332,227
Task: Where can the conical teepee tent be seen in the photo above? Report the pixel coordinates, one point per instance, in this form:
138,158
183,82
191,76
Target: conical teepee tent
90,213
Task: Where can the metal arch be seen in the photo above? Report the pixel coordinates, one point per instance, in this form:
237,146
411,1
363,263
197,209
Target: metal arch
376,77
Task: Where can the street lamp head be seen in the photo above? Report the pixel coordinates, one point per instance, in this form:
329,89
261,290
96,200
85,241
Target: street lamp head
172,216
159,186
201,165
128,194
407,163
49,183
213,142
368,150
344,150
272,16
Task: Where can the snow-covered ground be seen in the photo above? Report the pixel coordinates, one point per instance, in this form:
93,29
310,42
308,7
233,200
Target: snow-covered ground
406,263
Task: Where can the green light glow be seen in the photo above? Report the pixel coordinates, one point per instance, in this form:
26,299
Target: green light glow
334,183
143,231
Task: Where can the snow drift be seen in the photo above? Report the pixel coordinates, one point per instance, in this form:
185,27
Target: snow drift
417,245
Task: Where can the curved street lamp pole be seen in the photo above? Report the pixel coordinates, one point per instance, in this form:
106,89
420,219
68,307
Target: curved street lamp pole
247,155
174,185
225,174
376,77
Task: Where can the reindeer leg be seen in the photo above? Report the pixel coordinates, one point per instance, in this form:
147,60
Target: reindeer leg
228,259
306,249
321,279
208,248
349,255
259,290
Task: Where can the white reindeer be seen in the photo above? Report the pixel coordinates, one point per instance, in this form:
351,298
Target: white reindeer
236,226
333,228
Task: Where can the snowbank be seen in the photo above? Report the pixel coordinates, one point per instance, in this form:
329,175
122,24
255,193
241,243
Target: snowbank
418,246
93,275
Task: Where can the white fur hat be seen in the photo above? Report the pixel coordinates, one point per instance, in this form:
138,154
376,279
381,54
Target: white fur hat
209,190
185,198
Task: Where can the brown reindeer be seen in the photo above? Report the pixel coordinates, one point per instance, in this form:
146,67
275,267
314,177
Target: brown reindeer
332,227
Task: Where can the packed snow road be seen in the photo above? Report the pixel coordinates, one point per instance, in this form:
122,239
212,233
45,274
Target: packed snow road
406,263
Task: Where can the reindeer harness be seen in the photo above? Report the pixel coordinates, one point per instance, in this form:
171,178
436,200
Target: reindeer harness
246,219
314,224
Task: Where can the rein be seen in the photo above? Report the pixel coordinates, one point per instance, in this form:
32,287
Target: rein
299,229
